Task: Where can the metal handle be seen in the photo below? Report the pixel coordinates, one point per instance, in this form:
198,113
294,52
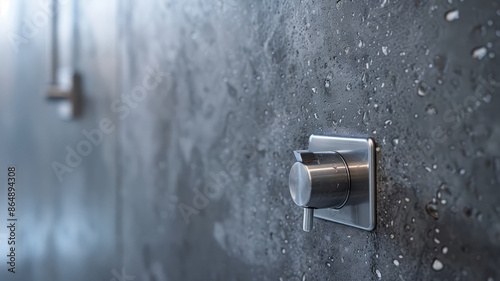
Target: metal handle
65,83
318,180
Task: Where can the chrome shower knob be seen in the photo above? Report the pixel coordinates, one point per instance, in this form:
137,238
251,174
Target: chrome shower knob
317,181
334,180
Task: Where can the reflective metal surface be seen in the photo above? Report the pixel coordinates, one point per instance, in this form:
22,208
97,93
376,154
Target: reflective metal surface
318,180
359,210
322,183
307,224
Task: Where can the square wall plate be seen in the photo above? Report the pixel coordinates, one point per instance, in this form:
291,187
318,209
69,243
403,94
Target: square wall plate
359,153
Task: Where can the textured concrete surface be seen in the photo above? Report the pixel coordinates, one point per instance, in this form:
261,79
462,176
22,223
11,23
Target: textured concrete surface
241,84
250,81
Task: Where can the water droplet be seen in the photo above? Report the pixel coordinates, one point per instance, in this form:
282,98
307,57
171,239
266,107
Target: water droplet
392,236
348,86
437,265
479,217
431,109
422,89
487,98
400,256
479,52
396,262
328,264
436,241
444,250
407,228
462,171
283,251
452,15
384,50
379,275
388,122
365,118
432,210
327,84
314,90
395,142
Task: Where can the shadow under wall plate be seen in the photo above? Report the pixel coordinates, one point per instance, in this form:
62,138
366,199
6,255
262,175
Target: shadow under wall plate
359,153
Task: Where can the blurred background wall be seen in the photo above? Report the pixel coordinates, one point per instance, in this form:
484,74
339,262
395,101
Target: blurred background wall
193,109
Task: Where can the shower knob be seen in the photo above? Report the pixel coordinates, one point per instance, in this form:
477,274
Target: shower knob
334,180
319,180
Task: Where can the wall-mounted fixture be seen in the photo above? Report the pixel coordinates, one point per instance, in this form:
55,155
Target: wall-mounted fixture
65,87
335,180
68,94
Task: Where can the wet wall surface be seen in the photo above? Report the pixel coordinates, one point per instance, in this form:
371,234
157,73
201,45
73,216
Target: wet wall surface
249,81
210,98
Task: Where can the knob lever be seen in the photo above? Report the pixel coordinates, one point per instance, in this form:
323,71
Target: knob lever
308,219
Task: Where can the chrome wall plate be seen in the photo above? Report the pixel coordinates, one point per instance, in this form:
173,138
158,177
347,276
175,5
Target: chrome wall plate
359,153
